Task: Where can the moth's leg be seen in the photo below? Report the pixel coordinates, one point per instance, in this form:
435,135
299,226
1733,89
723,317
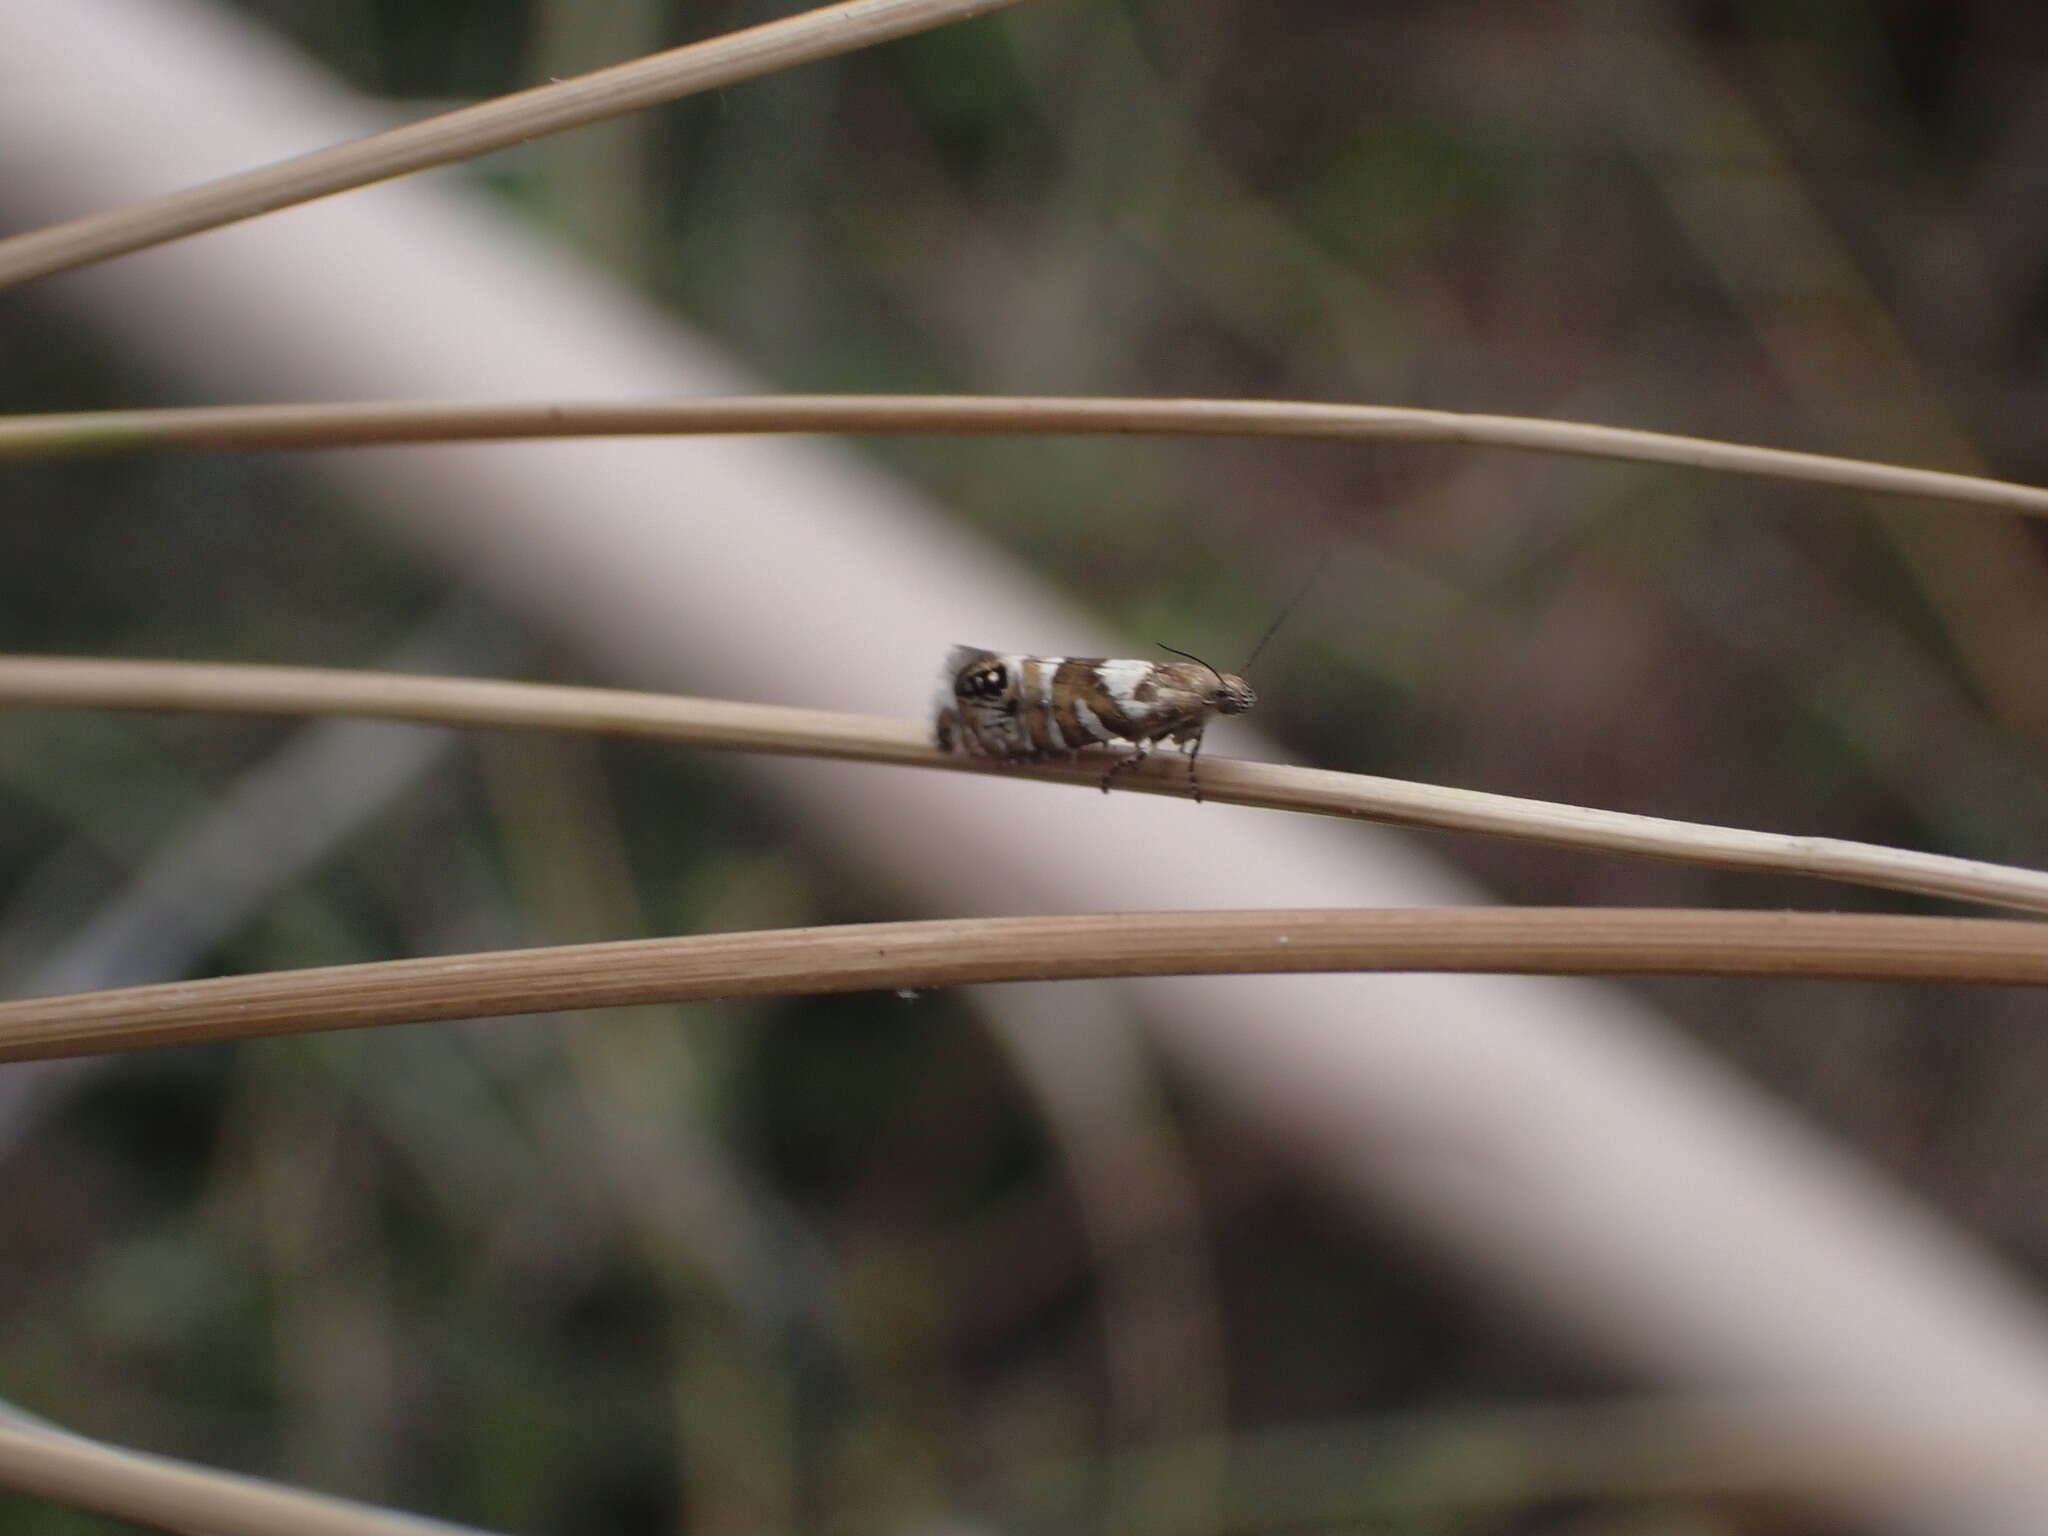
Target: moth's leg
1116,766
1194,741
1121,762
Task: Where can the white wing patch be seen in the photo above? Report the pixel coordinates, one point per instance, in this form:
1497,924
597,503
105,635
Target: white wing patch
1091,722
1122,678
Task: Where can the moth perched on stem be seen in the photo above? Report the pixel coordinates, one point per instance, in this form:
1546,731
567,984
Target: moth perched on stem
1024,708
1019,709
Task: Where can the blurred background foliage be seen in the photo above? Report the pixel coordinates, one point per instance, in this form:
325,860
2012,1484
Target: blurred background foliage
821,1263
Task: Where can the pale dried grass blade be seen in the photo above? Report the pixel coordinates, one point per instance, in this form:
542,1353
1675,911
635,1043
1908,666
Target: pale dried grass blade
82,681
914,956
469,131
360,423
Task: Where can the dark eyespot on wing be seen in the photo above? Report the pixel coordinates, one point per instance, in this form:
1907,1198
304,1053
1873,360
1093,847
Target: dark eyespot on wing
987,681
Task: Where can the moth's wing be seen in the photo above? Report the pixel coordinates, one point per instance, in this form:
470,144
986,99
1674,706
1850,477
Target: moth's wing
1135,681
959,659
947,728
1148,695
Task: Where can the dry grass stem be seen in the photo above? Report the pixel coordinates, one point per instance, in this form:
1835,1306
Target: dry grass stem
357,424
172,685
475,130
172,1495
863,957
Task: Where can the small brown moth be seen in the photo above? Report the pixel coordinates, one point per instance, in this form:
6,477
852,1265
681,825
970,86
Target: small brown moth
1021,708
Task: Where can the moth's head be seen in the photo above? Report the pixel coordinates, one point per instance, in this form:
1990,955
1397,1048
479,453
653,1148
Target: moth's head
1232,695
1222,693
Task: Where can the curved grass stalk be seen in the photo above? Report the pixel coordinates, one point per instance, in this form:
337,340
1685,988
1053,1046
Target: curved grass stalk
474,130
358,424
861,957
175,1495
175,685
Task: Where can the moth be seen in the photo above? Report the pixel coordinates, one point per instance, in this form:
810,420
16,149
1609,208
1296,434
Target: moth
1025,708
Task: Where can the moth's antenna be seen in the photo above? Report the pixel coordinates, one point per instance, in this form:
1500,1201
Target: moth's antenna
1293,602
1191,656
